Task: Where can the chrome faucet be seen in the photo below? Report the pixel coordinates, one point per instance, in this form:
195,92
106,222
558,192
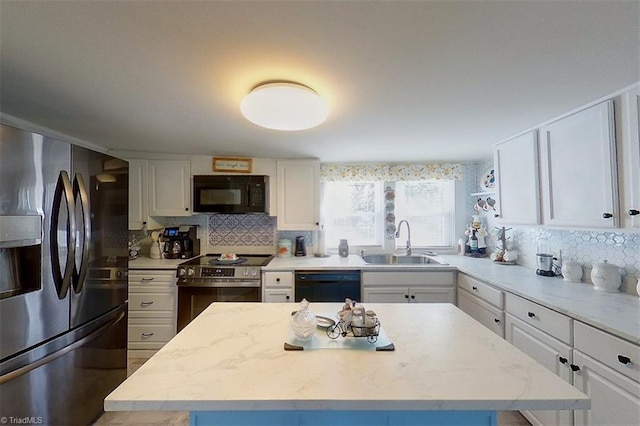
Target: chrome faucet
408,235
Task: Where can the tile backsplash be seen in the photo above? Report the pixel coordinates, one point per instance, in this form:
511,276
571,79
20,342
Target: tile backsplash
227,231
621,248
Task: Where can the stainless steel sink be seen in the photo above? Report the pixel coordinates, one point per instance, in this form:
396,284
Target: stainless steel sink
394,259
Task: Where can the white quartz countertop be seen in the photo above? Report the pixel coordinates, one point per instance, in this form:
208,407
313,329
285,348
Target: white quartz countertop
231,357
616,313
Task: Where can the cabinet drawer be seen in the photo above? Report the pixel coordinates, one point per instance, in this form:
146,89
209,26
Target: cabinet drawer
483,291
482,312
408,278
551,322
152,301
152,277
622,356
278,279
151,333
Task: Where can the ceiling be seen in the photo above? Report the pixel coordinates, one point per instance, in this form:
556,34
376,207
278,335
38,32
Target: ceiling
405,81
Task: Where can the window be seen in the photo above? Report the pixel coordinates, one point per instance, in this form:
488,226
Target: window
353,211
428,206
358,212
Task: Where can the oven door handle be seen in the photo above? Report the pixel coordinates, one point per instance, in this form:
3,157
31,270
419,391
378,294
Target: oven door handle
204,282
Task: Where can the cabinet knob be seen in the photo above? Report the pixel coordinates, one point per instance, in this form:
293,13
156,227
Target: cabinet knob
531,314
624,359
496,215
406,296
496,320
277,280
607,215
186,209
146,335
562,360
413,296
474,288
634,212
287,297
574,367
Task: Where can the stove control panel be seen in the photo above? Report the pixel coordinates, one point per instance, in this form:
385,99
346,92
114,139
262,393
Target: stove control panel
217,272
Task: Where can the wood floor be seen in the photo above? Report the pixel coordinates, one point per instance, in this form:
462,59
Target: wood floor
181,418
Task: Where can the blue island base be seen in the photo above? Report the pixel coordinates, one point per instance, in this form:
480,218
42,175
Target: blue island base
340,418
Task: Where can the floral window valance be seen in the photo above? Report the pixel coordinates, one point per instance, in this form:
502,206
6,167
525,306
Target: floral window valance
389,172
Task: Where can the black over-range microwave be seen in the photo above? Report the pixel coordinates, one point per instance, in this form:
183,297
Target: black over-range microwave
229,193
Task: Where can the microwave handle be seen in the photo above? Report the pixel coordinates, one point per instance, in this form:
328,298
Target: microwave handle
247,202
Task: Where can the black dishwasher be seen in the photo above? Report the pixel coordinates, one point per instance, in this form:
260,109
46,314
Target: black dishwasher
327,286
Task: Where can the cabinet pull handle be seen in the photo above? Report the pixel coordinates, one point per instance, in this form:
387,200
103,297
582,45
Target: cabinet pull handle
562,360
146,280
624,359
574,367
607,215
531,314
147,335
496,320
474,288
146,303
634,212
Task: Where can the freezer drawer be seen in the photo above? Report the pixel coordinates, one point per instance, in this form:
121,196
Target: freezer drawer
68,385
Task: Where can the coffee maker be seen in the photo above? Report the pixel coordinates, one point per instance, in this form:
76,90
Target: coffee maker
544,259
180,242
301,247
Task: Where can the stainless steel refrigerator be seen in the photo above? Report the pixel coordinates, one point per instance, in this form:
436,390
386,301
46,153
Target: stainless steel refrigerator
63,279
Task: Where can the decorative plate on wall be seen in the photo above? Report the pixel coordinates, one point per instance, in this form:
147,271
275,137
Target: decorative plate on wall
488,180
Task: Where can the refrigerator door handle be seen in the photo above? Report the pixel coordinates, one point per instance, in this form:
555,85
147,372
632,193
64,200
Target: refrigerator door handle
63,280
51,357
79,188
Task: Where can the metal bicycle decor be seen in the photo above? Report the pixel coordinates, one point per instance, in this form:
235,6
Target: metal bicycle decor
345,329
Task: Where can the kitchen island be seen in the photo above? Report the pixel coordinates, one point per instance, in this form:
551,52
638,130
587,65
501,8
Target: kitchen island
229,366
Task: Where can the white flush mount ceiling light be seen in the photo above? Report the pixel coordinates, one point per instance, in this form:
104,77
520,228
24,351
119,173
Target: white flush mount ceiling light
284,106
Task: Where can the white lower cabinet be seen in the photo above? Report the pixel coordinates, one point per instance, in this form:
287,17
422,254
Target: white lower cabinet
482,302
544,335
408,287
551,353
407,295
487,315
153,298
615,398
277,287
607,369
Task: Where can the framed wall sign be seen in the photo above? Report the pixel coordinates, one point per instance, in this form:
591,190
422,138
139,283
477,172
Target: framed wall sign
235,165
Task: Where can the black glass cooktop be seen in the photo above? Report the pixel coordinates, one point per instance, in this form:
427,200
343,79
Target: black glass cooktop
242,260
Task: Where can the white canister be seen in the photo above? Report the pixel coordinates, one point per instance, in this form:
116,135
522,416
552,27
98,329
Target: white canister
572,271
284,248
605,276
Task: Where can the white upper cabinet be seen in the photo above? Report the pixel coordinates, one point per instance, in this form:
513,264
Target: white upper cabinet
631,205
516,163
169,188
139,196
579,170
298,194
